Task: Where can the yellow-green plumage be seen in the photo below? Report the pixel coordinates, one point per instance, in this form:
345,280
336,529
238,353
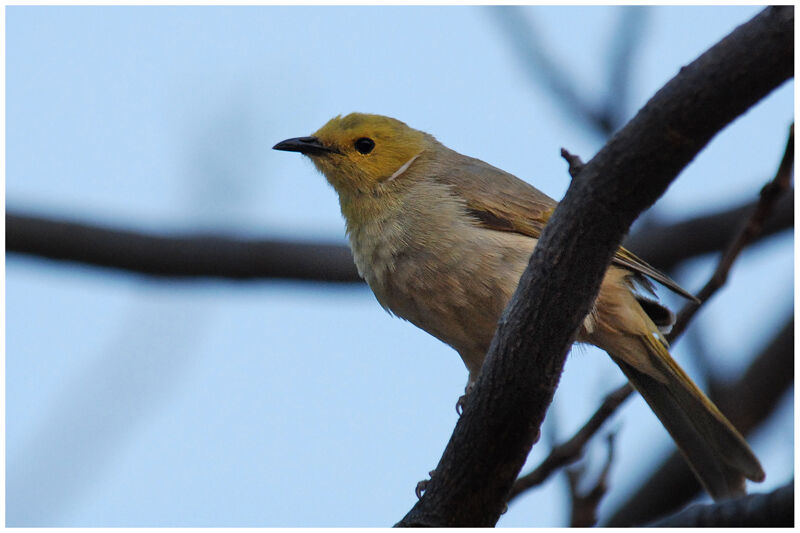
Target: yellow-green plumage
442,240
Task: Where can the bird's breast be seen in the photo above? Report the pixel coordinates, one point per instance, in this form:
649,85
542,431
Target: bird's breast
440,271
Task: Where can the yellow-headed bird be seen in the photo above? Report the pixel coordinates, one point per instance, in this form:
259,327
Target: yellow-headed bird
442,240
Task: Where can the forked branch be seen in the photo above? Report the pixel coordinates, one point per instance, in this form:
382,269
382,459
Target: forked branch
573,449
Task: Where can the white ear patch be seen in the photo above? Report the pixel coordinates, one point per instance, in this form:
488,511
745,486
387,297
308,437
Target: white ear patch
402,168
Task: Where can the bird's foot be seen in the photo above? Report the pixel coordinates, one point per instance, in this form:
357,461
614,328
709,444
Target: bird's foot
462,400
423,485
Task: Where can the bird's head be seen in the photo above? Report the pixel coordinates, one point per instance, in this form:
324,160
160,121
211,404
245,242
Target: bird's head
359,152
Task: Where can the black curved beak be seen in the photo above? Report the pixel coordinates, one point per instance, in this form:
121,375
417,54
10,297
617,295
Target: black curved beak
305,145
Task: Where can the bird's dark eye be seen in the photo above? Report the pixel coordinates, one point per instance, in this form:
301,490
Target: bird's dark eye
364,145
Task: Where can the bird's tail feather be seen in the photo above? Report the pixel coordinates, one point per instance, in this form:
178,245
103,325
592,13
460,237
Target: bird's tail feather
716,452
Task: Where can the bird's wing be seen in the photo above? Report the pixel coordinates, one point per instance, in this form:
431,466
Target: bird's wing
497,199
503,202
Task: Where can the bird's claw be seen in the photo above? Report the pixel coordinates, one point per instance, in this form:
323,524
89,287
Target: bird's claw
460,404
462,400
422,486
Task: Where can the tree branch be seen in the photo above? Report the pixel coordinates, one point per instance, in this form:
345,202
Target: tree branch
215,255
626,42
540,68
766,203
179,256
572,450
774,509
575,163
666,245
603,118
502,415
584,505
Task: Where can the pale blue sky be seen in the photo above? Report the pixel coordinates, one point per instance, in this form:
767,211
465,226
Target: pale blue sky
138,402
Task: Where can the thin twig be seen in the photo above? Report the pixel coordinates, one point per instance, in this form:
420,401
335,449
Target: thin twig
605,117
584,506
571,450
542,69
769,197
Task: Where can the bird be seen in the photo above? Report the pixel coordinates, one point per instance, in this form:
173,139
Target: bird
442,240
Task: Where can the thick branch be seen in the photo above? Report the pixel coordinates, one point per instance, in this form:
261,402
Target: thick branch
178,256
502,415
751,228
765,381
193,255
774,509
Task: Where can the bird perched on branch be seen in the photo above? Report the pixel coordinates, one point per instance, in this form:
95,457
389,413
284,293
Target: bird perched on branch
442,240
